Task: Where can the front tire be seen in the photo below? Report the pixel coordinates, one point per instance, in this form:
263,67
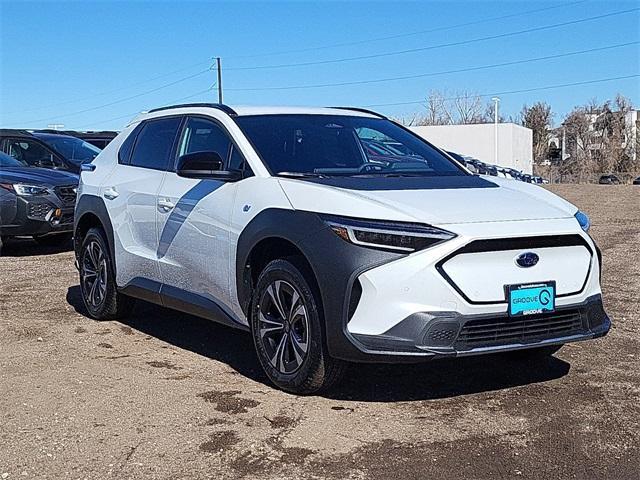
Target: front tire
97,280
286,325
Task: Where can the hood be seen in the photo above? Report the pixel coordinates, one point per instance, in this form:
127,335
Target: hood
37,176
432,200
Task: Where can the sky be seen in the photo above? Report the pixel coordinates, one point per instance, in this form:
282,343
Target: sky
93,65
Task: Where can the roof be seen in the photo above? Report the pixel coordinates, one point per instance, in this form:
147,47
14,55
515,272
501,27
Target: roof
51,135
245,110
81,133
283,110
14,132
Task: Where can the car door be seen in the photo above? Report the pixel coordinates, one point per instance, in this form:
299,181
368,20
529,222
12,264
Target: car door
130,195
194,219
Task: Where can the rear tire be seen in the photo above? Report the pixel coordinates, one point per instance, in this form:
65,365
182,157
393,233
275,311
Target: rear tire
97,279
54,240
286,324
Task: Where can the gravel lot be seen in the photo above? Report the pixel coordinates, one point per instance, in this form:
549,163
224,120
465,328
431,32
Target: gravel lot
166,395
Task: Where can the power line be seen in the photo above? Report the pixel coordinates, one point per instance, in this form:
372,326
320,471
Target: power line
433,74
122,99
409,34
433,47
102,94
511,92
130,115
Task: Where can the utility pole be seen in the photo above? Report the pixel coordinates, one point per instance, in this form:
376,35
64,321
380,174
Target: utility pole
219,64
496,102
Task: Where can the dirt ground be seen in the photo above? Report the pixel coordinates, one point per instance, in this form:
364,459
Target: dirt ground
164,395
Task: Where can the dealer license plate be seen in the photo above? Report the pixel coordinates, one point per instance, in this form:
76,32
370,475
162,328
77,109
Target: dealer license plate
532,298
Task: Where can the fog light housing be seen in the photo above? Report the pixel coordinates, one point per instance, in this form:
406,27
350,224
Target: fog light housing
56,217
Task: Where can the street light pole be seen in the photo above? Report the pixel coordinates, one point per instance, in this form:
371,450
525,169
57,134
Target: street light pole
219,69
496,102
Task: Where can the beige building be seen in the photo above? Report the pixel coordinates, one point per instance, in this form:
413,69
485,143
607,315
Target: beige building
515,143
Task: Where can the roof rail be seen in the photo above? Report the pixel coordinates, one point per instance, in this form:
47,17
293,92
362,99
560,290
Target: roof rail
19,132
361,110
225,108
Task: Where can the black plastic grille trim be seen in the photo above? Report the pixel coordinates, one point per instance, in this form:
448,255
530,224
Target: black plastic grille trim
67,194
528,329
39,210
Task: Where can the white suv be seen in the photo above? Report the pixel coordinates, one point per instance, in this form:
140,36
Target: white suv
332,235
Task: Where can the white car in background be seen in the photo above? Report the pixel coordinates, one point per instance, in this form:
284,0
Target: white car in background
278,222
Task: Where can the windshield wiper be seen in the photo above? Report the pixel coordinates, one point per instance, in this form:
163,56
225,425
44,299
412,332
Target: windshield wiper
301,175
388,174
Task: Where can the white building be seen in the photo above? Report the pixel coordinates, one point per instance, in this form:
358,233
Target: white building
515,143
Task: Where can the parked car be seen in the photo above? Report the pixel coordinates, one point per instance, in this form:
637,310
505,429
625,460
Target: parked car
47,150
609,180
458,157
636,181
98,139
275,222
36,202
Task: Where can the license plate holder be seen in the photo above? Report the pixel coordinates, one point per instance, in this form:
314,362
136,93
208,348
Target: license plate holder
532,298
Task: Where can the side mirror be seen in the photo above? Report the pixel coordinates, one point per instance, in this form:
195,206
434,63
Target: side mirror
205,165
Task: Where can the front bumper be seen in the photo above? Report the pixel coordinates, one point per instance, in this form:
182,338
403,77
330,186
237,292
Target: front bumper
39,216
424,335
379,306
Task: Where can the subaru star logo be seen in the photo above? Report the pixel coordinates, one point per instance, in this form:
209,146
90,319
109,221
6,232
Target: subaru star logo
527,259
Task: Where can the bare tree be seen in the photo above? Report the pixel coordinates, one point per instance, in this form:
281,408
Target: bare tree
468,108
576,131
438,112
457,108
599,139
538,118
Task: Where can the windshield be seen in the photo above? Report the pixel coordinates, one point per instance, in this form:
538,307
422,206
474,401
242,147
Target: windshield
8,161
72,148
328,145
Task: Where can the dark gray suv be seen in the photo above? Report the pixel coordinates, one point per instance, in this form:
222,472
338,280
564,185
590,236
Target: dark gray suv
36,202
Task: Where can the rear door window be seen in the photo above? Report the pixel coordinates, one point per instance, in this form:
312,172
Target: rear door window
155,143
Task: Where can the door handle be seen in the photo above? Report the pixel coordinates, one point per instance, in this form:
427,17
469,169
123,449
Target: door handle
166,204
110,193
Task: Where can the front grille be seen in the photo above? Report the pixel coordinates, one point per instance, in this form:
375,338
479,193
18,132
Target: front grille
67,194
39,210
508,331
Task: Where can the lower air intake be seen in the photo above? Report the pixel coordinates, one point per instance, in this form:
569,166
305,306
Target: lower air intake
508,331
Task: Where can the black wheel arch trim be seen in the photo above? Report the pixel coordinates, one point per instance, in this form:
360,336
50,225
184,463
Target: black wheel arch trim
336,265
94,205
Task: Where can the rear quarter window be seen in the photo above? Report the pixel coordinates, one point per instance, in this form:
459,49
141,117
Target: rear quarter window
124,153
154,143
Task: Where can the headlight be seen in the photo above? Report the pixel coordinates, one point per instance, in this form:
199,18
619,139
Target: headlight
24,189
583,220
396,236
